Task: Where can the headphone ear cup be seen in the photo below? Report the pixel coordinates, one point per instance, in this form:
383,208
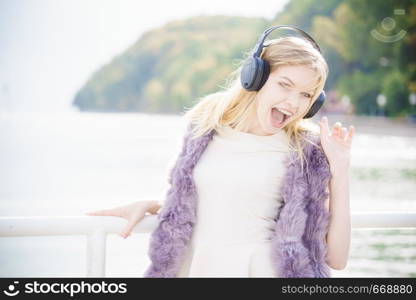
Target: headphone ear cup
259,74
254,73
264,74
316,106
248,73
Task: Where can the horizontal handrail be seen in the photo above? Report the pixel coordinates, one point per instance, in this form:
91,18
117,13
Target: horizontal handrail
81,225
96,229
69,225
396,219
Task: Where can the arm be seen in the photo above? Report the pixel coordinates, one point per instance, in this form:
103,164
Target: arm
336,143
339,233
154,207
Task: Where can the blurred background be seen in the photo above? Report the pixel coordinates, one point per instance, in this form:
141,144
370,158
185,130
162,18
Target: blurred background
91,94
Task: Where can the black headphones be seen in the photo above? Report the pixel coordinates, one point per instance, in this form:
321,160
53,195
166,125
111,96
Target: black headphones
256,70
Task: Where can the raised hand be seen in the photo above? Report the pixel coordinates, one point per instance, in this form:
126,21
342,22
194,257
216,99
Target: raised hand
336,143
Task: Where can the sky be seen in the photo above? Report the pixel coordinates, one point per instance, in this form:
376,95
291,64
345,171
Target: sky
50,48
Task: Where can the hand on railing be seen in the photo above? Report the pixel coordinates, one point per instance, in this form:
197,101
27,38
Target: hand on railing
133,213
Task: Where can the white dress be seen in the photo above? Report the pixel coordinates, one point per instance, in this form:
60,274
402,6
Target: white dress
237,179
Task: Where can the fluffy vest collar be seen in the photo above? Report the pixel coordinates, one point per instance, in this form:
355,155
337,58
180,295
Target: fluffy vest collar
298,244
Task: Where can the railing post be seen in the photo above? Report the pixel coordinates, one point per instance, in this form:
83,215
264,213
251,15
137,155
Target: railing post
96,250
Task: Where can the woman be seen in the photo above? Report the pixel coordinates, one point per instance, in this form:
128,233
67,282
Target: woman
242,183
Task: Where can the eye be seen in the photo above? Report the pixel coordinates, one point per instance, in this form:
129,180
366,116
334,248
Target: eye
283,84
307,95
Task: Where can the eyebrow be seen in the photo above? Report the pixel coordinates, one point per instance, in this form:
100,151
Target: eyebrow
311,90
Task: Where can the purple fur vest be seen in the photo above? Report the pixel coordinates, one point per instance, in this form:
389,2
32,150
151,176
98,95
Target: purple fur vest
298,243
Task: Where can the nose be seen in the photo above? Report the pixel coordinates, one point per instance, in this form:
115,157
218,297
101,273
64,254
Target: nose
293,103
293,106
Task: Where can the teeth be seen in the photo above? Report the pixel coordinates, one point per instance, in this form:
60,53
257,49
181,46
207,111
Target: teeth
283,111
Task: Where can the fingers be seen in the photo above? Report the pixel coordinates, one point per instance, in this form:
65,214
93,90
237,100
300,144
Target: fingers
350,134
326,125
343,133
323,124
128,228
336,130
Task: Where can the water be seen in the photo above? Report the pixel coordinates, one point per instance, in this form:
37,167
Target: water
69,163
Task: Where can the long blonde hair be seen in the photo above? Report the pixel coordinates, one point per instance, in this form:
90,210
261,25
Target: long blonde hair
233,105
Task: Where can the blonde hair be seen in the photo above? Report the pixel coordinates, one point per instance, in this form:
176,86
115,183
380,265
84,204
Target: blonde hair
233,105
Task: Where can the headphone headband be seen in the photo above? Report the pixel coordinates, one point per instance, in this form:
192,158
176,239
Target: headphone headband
259,46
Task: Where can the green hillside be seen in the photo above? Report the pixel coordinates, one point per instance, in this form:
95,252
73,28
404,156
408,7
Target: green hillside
169,66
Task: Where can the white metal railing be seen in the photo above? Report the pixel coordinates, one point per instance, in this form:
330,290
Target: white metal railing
96,228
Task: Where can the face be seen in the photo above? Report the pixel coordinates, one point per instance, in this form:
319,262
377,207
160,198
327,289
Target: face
289,88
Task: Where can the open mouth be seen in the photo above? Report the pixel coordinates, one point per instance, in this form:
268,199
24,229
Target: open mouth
278,119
